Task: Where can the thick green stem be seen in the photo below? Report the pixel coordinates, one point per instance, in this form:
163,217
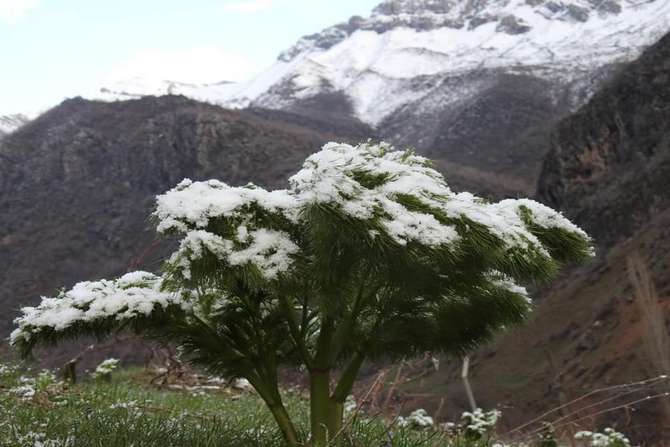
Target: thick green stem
322,358
325,414
269,392
285,424
336,418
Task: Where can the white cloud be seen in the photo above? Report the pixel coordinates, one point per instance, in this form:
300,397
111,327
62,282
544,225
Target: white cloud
248,6
13,10
195,65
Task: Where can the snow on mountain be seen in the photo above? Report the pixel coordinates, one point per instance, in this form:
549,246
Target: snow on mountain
476,85
9,123
408,48
138,87
373,61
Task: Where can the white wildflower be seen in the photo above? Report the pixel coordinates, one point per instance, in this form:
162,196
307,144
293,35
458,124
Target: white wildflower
417,419
608,438
105,368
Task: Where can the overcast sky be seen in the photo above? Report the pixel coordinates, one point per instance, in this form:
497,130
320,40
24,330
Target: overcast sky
53,49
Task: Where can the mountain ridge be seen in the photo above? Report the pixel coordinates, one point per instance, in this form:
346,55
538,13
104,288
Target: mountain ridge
559,40
476,85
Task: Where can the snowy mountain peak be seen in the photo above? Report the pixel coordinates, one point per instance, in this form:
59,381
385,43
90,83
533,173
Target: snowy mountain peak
432,53
384,61
510,17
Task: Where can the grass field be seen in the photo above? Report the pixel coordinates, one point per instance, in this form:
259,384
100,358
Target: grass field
37,410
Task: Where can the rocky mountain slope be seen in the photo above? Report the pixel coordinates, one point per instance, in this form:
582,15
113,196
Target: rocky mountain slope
609,164
475,84
609,170
77,184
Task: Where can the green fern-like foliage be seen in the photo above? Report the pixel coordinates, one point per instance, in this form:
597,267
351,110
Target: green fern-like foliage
367,253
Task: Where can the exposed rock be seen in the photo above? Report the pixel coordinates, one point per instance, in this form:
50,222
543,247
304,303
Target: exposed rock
578,13
512,25
553,6
607,6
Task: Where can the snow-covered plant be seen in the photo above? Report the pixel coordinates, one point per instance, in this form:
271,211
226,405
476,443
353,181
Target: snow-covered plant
478,424
608,438
105,369
417,419
367,253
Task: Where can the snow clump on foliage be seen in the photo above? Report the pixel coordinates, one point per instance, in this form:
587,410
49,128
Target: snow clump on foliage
134,294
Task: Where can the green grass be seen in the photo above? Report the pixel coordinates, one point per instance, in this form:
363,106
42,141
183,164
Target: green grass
129,412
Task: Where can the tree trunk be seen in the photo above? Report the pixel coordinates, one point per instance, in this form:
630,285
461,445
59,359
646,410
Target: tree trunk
325,414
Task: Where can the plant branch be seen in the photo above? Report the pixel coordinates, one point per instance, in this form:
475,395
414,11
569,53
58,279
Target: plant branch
296,332
346,329
348,377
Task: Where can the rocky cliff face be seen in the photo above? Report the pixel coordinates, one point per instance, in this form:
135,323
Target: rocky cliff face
77,184
609,164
